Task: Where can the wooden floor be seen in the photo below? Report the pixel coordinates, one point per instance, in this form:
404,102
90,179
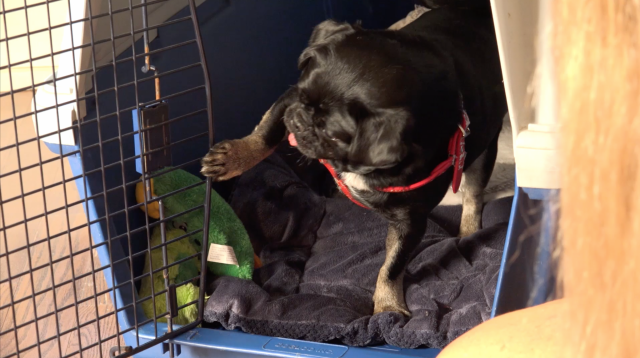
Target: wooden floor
21,210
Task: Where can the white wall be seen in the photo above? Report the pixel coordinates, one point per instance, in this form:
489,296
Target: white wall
522,27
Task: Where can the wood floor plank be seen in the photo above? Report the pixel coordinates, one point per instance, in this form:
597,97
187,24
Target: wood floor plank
64,248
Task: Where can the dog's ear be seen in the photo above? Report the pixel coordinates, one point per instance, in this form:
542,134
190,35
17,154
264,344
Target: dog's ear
380,141
329,29
326,32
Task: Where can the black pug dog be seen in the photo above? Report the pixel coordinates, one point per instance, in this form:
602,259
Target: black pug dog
386,112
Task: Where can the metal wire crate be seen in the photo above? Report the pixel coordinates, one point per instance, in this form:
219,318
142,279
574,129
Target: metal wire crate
74,240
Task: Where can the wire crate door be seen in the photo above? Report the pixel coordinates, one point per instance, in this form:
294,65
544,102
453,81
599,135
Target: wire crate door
95,111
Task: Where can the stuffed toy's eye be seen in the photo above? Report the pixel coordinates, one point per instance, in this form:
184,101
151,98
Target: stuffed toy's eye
182,226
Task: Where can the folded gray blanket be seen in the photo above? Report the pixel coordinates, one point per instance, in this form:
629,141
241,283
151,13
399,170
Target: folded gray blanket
321,258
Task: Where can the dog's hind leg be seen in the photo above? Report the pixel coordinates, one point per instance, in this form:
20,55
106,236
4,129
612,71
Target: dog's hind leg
476,178
231,158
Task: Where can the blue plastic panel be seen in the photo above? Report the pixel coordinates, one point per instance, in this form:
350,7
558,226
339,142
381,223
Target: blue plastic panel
136,139
306,349
527,276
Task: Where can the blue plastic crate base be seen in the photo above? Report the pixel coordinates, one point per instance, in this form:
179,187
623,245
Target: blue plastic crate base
205,342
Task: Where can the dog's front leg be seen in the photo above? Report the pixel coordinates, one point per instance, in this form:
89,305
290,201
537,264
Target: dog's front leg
231,158
402,238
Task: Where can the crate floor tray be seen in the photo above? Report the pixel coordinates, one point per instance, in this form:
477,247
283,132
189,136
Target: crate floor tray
321,258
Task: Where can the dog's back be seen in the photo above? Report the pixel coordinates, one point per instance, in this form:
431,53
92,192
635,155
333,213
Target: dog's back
467,35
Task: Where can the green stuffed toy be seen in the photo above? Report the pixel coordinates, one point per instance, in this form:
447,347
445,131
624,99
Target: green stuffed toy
225,228
177,274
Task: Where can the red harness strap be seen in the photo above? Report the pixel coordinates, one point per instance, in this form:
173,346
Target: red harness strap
457,155
341,185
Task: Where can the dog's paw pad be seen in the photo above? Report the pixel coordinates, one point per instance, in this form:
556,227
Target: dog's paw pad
221,162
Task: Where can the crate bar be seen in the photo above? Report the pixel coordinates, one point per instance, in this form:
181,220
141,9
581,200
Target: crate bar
102,170
185,259
80,325
158,247
179,307
99,42
98,219
86,298
92,45
26,7
107,165
124,180
11,301
66,154
81,252
176,239
104,180
71,22
147,59
207,199
165,272
50,1
156,51
146,195
95,220
62,171
163,291
146,345
108,290
159,50
103,217
24,206
58,285
52,288
92,171
156,76
177,94
88,97
136,350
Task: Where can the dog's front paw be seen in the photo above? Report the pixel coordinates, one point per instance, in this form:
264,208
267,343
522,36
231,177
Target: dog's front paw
391,307
224,161
388,299
231,158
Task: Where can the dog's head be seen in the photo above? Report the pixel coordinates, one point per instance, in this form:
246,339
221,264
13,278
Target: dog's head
358,96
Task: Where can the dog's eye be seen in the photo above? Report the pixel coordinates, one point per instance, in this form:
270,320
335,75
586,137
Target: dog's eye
331,138
358,111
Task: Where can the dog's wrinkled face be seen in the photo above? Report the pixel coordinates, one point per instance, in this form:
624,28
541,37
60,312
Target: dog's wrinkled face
352,105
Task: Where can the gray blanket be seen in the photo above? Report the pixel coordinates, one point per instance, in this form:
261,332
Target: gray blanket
321,258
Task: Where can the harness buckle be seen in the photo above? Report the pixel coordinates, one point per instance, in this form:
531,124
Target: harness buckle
465,131
463,156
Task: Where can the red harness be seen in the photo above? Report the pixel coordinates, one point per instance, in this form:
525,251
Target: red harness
456,158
